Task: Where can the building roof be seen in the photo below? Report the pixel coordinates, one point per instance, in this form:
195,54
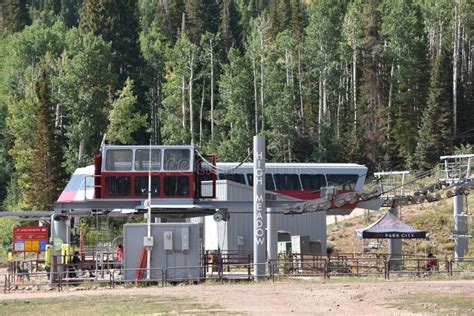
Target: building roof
391,227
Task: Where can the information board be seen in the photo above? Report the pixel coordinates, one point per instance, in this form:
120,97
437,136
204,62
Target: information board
30,238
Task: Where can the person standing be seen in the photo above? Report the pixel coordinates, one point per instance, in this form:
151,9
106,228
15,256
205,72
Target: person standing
119,256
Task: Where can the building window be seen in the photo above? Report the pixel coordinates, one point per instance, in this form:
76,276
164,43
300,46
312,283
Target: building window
343,181
176,186
177,159
142,159
118,186
141,186
118,159
287,181
239,178
313,182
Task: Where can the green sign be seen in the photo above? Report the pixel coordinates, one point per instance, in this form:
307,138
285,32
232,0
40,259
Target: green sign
57,242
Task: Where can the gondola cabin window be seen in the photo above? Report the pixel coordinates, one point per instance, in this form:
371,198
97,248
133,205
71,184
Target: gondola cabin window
176,186
177,160
287,181
239,178
119,160
119,186
269,184
343,181
142,159
313,182
141,186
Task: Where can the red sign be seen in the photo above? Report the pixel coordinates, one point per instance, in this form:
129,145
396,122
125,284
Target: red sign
30,238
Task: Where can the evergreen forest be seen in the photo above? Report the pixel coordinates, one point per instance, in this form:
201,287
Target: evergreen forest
385,83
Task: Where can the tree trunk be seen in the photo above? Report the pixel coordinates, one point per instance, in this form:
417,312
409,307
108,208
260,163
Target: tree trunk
320,109
191,113
354,83
201,113
212,89
390,94
183,102
300,84
456,26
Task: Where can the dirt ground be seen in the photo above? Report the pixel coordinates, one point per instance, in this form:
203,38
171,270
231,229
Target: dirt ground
285,297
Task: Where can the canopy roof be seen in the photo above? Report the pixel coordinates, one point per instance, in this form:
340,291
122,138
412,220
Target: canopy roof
389,226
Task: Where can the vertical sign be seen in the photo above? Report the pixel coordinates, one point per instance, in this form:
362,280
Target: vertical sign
259,208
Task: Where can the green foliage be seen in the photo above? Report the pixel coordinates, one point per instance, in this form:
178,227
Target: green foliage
84,82
236,114
201,17
15,15
435,134
46,156
339,81
116,21
124,120
6,236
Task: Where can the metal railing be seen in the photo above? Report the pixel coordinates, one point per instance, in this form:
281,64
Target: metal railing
299,265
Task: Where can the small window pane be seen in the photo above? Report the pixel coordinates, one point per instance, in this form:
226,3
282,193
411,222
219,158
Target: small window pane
313,181
141,186
142,158
343,181
250,179
119,160
269,184
239,178
177,159
118,186
287,182
176,186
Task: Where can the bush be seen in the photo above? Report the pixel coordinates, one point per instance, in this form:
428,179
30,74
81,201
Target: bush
6,236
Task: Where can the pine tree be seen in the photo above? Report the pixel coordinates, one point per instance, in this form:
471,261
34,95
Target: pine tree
201,16
116,22
374,116
168,18
46,177
436,131
15,15
229,27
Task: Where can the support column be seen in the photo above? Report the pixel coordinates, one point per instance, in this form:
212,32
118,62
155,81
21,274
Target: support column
394,247
460,228
259,207
272,235
59,230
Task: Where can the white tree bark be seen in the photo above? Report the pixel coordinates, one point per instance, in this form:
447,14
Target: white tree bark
183,102
201,113
456,27
190,91
211,48
354,83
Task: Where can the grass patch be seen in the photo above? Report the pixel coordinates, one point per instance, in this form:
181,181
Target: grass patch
439,303
107,305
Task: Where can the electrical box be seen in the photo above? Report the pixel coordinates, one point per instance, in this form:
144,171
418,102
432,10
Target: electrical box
184,238
284,246
168,240
148,241
300,244
240,240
